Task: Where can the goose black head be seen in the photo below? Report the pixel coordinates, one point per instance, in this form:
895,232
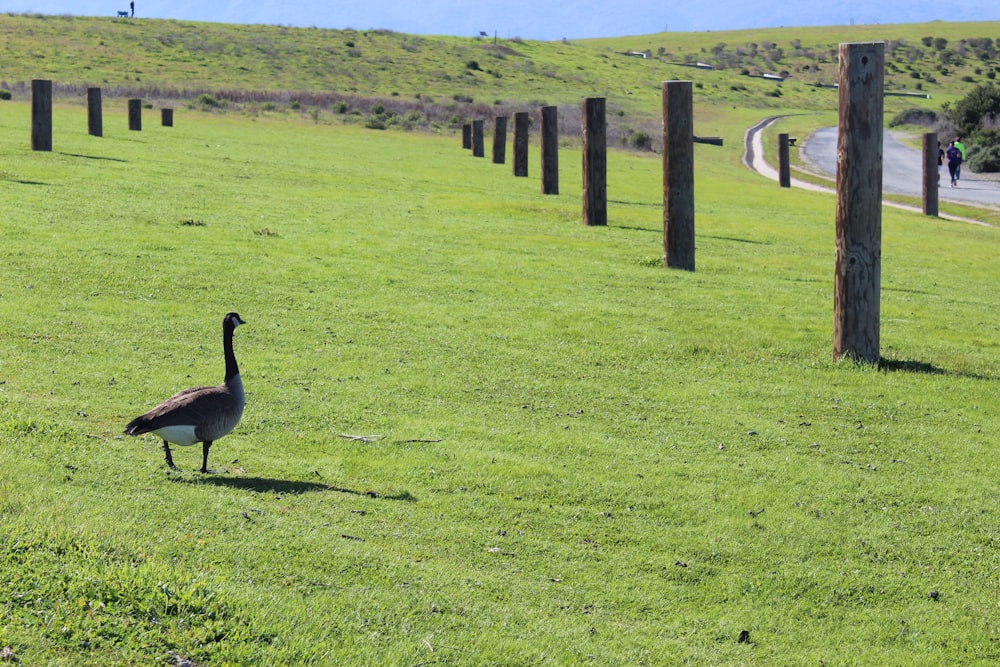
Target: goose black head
231,321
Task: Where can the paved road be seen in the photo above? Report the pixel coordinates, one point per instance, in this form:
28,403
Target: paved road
902,170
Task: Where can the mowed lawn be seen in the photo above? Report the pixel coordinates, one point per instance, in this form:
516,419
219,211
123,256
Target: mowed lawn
477,431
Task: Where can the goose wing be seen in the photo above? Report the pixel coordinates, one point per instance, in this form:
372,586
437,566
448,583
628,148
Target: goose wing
189,407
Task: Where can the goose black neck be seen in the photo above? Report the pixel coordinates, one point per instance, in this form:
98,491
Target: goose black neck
232,370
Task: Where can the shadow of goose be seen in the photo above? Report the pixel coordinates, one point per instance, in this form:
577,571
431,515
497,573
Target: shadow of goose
285,486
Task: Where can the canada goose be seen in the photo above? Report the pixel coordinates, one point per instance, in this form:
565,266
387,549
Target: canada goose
199,414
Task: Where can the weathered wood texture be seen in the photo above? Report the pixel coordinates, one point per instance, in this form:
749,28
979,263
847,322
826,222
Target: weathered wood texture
550,150
932,173
95,113
857,286
478,147
678,175
595,161
500,140
784,167
522,121
135,115
41,115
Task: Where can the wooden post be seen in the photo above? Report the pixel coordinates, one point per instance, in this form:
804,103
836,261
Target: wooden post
857,285
521,123
167,117
478,149
41,115
95,117
467,136
500,140
550,150
932,173
595,162
784,168
678,175
135,115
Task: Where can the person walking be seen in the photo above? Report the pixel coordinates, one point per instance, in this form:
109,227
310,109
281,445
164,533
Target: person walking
954,156
961,147
132,7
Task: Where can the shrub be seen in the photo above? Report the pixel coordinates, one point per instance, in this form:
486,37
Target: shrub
341,107
642,141
914,116
378,109
968,113
4,94
472,64
984,158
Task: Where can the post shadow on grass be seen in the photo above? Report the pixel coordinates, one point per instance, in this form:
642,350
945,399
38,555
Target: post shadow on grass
925,368
92,157
909,366
283,486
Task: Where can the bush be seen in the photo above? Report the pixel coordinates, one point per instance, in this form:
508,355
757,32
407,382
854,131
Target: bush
982,102
4,94
914,116
642,141
984,159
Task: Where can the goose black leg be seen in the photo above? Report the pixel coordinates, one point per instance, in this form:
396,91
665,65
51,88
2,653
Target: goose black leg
168,457
204,457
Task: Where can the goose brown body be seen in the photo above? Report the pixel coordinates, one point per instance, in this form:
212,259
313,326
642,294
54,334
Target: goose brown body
198,414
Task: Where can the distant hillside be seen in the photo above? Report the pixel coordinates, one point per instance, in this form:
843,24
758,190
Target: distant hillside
437,80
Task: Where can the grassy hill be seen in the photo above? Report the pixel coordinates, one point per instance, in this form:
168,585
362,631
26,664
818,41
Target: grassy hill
437,77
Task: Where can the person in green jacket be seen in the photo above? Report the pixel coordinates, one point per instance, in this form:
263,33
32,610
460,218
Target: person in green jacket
961,149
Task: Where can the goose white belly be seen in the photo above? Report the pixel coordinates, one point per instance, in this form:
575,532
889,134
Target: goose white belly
182,434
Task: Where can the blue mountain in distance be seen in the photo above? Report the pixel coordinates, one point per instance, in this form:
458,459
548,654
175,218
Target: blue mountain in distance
530,19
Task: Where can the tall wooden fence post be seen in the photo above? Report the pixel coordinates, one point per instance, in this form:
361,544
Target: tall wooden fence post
41,115
167,117
595,162
500,140
467,136
784,168
521,122
932,173
857,286
678,175
95,115
550,150
135,115
478,149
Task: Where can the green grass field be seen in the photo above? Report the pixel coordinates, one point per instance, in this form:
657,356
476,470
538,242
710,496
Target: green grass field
477,431
571,454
